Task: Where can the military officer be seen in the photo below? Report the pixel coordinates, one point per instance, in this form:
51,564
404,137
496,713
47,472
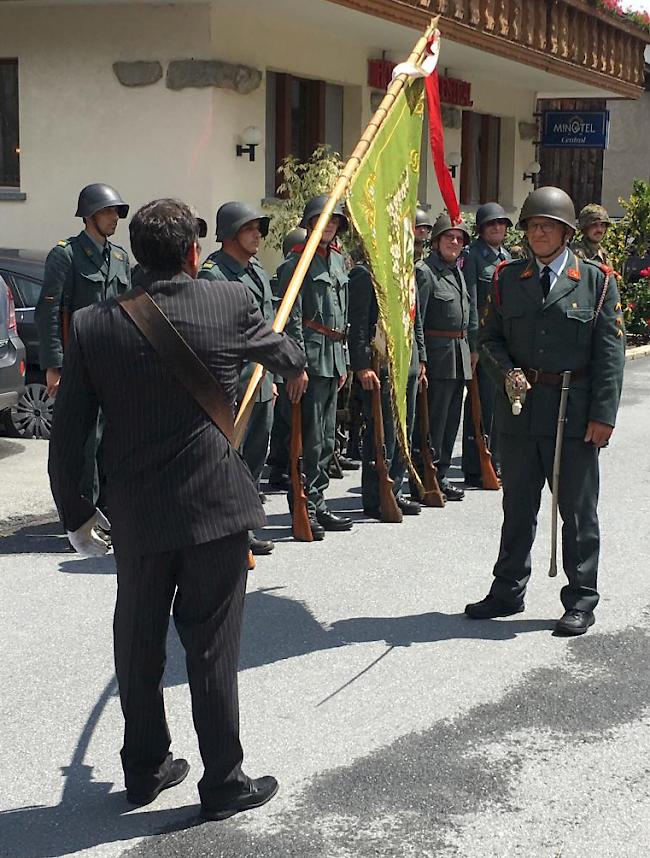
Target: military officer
481,260
544,316
80,271
422,233
318,324
594,222
240,229
450,323
363,315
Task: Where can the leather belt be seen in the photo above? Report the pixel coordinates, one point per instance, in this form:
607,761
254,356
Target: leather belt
337,336
450,335
537,376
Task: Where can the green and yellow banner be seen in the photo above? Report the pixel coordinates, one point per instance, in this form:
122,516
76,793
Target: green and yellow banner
382,199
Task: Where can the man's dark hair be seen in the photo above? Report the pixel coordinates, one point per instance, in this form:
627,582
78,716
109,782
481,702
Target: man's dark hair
162,233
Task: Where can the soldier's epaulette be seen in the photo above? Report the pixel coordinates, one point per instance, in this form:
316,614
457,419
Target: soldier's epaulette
495,277
208,264
63,243
606,269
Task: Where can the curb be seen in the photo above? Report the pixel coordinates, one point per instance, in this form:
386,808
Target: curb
637,352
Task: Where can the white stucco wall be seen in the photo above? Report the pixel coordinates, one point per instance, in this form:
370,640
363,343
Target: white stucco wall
79,124
628,155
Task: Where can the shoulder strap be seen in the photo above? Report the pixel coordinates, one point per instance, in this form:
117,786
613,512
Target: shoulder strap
179,357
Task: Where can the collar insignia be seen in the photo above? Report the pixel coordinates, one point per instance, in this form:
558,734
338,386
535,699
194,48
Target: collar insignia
573,273
526,273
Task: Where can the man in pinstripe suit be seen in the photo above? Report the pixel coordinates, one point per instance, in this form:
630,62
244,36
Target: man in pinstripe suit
181,502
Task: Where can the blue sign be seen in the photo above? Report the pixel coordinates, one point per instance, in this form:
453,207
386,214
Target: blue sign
578,129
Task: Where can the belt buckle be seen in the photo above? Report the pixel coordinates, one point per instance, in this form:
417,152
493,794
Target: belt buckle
536,376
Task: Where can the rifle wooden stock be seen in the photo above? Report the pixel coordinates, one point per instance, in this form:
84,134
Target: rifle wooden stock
432,496
300,527
388,508
489,479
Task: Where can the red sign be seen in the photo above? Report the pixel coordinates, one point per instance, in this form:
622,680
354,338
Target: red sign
452,90
380,73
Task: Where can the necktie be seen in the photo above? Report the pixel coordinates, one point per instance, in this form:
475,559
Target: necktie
252,273
545,280
107,255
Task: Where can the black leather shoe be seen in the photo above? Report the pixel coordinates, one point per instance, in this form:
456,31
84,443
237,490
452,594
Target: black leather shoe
372,512
490,607
409,507
260,547
333,522
451,492
346,464
473,480
317,530
254,793
278,482
177,773
262,497
574,623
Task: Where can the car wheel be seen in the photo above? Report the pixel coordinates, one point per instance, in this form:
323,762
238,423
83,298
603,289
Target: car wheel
32,417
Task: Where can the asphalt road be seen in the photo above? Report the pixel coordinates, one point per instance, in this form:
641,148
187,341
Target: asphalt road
396,726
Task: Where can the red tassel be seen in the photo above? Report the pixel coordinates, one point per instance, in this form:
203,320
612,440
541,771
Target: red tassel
438,148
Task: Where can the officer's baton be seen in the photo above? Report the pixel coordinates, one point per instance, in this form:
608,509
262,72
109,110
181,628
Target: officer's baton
557,461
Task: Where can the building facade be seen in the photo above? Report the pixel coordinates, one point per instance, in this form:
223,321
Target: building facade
155,97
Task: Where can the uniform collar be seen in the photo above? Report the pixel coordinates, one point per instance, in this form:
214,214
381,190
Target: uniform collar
557,266
229,262
436,261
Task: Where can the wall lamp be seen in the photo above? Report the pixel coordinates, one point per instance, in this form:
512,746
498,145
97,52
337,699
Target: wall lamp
534,169
454,160
251,137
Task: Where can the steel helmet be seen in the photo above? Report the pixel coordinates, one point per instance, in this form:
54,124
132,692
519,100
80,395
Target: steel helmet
443,224
550,202
231,217
316,205
593,213
94,198
491,211
422,218
297,235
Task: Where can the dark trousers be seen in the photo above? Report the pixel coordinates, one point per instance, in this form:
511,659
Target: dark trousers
471,462
394,457
278,459
318,409
445,398
256,439
206,585
526,464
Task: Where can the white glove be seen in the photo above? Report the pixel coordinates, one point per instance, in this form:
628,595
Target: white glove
88,539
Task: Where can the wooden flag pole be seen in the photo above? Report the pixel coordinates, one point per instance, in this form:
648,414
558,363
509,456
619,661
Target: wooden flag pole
416,57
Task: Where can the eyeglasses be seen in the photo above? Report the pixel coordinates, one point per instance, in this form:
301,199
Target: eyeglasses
544,228
456,239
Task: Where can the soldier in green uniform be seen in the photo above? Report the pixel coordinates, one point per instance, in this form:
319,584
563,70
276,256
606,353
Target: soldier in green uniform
318,324
364,315
278,458
450,323
240,229
479,266
594,222
544,316
80,271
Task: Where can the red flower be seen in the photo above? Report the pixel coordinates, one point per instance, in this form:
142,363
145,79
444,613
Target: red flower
631,306
645,272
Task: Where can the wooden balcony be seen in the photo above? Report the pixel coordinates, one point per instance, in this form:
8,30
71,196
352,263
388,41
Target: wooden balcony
569,38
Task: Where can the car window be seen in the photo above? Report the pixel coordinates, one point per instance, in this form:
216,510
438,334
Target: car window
28,290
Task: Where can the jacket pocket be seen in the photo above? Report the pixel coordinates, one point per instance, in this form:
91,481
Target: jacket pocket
580,322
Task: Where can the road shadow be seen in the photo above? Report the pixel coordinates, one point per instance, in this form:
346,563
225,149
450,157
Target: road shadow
78,565
10,448
42,537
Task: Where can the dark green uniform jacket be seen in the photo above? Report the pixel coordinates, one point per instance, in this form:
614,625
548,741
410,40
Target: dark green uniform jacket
446,306
323,298
221,266
363,320
76,275
480,264
519,329
586,249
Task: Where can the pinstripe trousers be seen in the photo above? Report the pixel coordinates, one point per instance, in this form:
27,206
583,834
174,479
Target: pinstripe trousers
206,585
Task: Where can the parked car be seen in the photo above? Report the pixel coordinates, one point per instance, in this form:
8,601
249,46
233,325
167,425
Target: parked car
23,270
12,354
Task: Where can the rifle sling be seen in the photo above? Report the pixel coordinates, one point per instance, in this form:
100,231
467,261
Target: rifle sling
179,357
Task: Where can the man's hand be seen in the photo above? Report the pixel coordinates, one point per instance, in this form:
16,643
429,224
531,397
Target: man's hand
88,539
52,380
423,381
297,386
342,380
598,433
473,361
368,379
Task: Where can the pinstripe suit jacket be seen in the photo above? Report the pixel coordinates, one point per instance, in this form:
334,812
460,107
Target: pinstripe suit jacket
172,479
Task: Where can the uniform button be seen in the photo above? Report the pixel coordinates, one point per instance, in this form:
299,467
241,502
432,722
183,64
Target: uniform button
543,333
541,351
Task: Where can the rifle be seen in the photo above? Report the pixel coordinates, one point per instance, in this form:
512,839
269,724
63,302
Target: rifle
388,508
489,479
300,527
432,496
